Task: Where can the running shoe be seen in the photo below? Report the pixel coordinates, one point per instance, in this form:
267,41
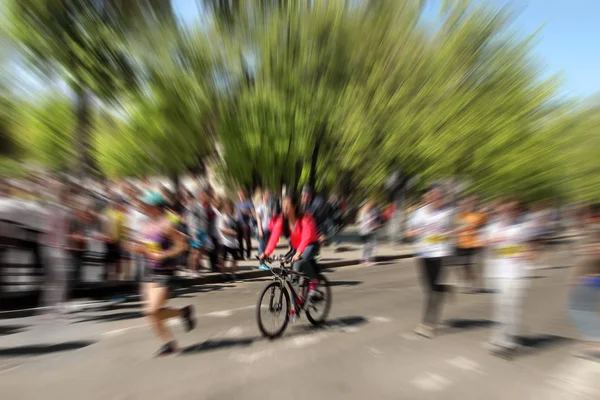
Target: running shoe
166,349
189,318
263,266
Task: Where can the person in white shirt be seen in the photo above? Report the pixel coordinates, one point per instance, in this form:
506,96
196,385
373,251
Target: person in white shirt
431,227
227,226
263,218
508,241
135,224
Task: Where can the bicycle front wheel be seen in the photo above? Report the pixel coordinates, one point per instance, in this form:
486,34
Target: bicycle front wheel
319,307
274,301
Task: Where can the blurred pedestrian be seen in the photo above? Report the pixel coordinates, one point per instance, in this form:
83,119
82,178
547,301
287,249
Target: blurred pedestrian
55,242
263,219
164,243
585,282
369,221
115,238
470,223
431,227
508,239
229,244
245,214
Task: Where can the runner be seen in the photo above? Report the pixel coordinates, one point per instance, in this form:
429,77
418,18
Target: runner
163,244
431,226
508,239
585,282
470,222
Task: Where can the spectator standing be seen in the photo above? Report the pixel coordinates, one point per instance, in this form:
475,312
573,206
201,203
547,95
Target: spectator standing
369,222
228,229
55,242
263,219
81,228
245,213
470,222
115,237
135,223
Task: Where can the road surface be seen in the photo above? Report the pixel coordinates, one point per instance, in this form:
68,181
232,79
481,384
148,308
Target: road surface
366,352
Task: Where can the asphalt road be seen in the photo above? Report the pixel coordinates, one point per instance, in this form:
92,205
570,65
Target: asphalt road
367,350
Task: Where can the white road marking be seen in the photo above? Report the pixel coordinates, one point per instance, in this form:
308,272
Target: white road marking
2,371
117,332
174,322
381,319
431,382
465,364
221,314
305,340
236,331
226,313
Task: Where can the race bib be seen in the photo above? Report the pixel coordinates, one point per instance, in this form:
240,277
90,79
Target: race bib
435,239
509,251
152,247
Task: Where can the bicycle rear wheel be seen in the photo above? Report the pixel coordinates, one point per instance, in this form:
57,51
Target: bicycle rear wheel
318,310
277,305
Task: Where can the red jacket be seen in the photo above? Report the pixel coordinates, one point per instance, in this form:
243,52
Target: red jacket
304,233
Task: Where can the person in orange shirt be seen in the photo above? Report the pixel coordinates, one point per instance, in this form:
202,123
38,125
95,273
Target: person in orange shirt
470,221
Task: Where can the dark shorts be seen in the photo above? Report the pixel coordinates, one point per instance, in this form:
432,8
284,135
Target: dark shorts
228,250
162,279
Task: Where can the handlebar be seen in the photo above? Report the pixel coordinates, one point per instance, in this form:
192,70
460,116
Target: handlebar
280,258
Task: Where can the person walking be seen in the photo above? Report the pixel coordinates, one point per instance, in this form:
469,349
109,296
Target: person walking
431,227
470,222
369,222
163,244
585,284
227,226
509,242
263,219
245,212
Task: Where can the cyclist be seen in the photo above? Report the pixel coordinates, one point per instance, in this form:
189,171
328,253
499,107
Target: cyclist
163,244
301,229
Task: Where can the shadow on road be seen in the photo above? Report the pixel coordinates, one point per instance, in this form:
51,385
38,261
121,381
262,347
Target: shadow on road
456,325
217,344
345,283
540,342
12,329
36,350
227,343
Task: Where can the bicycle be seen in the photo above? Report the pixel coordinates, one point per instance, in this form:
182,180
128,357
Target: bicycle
294,305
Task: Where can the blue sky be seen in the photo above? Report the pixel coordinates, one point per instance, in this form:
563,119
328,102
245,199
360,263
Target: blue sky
568,44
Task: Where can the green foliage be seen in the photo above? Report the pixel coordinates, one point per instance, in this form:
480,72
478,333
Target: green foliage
355,89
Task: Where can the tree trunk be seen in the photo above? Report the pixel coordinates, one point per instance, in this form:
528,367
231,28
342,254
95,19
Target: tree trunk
312,177
298,174
82,133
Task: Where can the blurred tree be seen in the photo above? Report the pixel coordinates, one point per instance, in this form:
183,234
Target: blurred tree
85,43
45,131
